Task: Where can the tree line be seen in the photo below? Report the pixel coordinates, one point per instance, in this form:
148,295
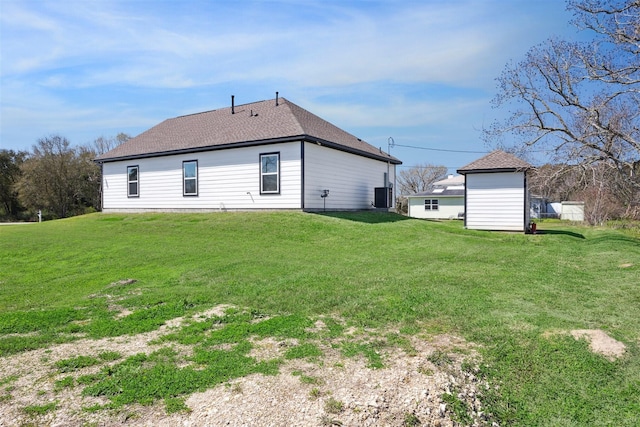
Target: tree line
54,178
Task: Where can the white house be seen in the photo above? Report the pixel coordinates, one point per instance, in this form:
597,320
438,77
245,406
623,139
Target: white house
264,155
444,201
496,194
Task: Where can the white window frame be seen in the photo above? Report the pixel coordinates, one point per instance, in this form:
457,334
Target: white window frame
135,181
431,204
275,173
185,178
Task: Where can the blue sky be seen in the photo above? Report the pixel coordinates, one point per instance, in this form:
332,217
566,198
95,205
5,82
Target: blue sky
421,72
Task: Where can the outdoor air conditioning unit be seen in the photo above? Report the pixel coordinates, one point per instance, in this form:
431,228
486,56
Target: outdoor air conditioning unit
383,197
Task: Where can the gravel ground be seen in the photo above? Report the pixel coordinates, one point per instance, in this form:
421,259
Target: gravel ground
333,390
342,391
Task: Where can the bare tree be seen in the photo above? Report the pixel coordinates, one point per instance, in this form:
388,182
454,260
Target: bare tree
88,192
414,180
554,182
101,144
579,101
420,178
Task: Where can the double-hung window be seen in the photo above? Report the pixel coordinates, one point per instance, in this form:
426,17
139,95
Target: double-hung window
270,173
430,204
133,181
190,178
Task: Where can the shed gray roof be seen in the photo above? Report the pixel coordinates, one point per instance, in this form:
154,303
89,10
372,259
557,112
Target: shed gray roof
256,123
496,161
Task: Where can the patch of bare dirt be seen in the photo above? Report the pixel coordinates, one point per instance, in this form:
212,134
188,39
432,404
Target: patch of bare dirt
332,390
112,301
601,343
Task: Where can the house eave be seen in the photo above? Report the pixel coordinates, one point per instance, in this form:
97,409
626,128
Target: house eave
382,157
232,145
498,170
197,149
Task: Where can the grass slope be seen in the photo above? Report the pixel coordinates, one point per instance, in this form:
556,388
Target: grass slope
510,293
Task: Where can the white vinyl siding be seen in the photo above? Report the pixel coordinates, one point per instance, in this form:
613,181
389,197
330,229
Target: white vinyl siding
495,201
350,179
227,179
572,211
231,179
448,208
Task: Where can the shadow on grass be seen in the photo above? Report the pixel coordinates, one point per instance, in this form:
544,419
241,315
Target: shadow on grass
566,233
366,217
616,239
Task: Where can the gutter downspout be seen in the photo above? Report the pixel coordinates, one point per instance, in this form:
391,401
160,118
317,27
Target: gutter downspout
302,175
527,213
101,186
466,211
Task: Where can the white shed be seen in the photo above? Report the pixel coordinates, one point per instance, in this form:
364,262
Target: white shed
496,195
572,211
264,155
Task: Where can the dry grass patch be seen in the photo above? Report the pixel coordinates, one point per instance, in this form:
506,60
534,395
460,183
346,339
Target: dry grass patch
601,343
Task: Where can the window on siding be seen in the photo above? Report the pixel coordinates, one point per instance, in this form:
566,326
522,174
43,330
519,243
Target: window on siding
190,178
132,181
270,173
430,204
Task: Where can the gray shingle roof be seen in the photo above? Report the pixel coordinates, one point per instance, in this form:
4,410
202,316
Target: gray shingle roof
494,162
442,193
456,180
256,123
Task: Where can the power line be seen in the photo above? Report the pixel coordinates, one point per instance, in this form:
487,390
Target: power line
443,149
468,151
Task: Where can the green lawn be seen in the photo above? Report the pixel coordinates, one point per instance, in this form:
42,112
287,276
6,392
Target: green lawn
513,294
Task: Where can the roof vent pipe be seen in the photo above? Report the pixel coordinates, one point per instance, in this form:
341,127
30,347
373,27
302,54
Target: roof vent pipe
276,99
233,109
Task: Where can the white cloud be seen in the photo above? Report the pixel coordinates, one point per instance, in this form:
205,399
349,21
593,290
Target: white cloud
397,64
446,42
397,112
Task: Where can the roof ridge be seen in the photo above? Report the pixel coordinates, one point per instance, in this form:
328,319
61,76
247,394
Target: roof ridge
301,110
194,114
229,107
